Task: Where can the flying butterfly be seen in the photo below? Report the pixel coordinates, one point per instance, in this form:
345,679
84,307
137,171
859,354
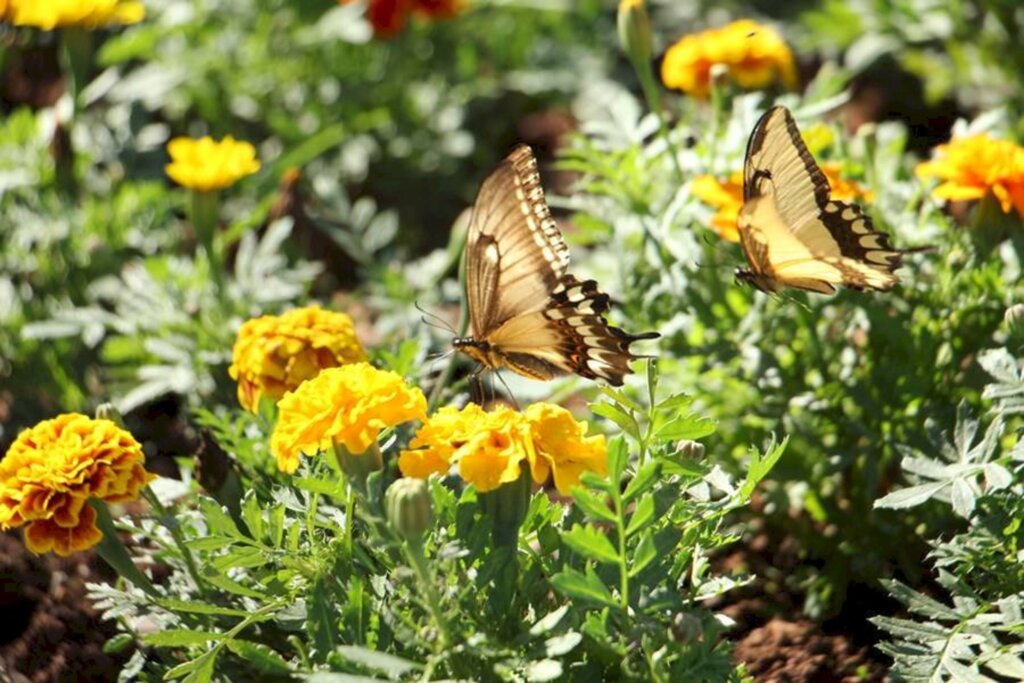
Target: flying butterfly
792,232
526,312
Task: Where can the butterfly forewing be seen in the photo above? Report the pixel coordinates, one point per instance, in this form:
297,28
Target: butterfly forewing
527,313
792,232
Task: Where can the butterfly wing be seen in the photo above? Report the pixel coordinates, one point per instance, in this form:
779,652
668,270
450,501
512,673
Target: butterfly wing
792,232
515,255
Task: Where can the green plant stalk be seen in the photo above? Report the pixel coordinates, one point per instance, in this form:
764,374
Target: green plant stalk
172,525
651,93
113,552
77,49
417,559
204,217
620,531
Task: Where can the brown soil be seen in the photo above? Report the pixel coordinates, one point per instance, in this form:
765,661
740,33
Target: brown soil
50,632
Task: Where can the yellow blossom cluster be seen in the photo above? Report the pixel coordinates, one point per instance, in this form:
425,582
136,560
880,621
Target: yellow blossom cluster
755,56
88,14
53,469
206,164
975,166
274,354
727,196
491,447
348,405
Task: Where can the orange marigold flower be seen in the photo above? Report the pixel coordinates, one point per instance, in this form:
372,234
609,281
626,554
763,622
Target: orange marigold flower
388,17
349,405
727,196
207,165
975,166
274,354
756,56
53,469
89,14
491,447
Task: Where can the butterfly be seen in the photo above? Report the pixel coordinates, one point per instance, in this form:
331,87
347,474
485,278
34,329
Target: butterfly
526,311
792,232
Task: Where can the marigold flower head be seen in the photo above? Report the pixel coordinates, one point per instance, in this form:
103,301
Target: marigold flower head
975,166
348,405
388,17
206,164
491,447
274,354
53,469
727,196
755,56
89,14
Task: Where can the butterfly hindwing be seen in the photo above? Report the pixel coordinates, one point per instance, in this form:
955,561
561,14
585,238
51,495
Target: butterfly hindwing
527,313
791,230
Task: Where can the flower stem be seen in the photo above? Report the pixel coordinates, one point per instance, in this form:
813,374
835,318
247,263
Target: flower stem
172,525
414,553
653,96
113,552
203,210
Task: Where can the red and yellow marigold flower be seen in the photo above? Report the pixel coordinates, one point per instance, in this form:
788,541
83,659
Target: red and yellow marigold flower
727,196
388,17
975,166
88,14
348,406
53,469
754,55
274,354
490,448
206,164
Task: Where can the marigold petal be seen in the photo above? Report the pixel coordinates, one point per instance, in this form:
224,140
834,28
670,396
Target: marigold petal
45,535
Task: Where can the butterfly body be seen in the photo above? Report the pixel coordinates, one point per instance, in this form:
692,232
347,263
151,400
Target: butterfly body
792,232
527,312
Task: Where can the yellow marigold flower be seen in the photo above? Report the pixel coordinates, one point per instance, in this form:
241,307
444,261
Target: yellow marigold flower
491,447
53,469
975,166
89,14
562,447
727,196
756,56
206,165
274,354
349,405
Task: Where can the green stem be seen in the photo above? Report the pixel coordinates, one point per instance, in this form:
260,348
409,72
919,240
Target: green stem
172,525
204,216
653,97
77,54
620,523
113,552
416,557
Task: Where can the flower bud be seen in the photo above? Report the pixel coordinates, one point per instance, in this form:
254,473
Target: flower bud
408,507
635,31
690,449
1015,318
357,467
108,411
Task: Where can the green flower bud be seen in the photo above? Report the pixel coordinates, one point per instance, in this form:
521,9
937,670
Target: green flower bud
635,31
408,506
107,411
358,467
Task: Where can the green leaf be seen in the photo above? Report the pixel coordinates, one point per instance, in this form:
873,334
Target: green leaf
335,489
911,496
618,457
252,515
591,543
200,608
275,519
393,667
260,657
561,645
549,621
224,583
322,618
177,637
645,478
198,670
690,427
625,422
642,515
543,670
210,543
591,505
218,521
244,557
645,553
586,587
760,466
118,643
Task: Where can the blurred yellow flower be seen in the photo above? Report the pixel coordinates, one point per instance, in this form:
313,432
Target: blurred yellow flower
274,354
349,405
755,56
975,166
491,447
727,196
53,469
89,14
206,165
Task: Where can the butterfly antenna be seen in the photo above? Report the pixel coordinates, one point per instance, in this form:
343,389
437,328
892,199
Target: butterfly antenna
716,244
445,325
